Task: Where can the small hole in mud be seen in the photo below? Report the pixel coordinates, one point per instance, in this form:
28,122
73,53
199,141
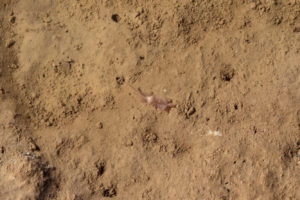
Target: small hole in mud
2,91
149,137
2,150
234,162
254,130
100,125
227,73
79,100
116,18
226,76
109,192
120,80
288,153
10,43
207,119
236,106
142,57
101,168
13,19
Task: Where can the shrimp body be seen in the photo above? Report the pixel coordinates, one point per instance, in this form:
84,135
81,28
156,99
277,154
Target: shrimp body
160,103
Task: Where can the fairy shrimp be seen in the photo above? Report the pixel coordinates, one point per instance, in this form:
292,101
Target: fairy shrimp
159,103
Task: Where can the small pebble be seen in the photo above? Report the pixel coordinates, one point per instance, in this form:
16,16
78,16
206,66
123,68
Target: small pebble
12,19
191,111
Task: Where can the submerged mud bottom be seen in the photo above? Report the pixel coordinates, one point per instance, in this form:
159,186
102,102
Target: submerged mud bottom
70,128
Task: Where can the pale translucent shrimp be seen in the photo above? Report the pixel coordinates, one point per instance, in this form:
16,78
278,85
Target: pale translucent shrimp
160,103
